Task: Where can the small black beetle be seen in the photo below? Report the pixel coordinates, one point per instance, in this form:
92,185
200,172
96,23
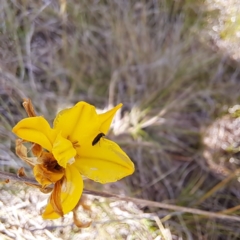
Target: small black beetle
97,138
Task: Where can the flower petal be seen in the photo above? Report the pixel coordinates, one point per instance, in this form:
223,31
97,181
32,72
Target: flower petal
71,192
55,198
104,162
21,151
63,150
78,123
36,130
107,117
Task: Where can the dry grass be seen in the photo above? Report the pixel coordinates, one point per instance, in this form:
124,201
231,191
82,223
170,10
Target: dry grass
156,58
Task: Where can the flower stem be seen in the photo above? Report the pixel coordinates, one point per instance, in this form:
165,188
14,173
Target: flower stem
143,202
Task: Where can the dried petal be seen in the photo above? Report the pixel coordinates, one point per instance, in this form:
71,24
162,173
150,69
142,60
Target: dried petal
84,203
43,190
37,150
28,106
21,172
78,222
46,190
55,198
21,151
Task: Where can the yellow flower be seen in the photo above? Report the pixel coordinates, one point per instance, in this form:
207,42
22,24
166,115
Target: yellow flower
67,152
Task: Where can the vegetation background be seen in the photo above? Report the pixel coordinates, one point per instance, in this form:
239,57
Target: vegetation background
175,67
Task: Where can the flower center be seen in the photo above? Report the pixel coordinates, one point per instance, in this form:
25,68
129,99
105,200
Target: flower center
49,162
75,144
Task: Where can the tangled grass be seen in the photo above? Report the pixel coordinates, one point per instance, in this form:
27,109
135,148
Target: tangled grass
164,62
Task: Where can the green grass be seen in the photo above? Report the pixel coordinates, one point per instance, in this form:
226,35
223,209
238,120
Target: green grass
156,58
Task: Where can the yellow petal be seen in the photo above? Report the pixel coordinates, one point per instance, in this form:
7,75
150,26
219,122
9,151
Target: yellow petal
104,162
63,151
107,117
36,130
78,123
71,192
